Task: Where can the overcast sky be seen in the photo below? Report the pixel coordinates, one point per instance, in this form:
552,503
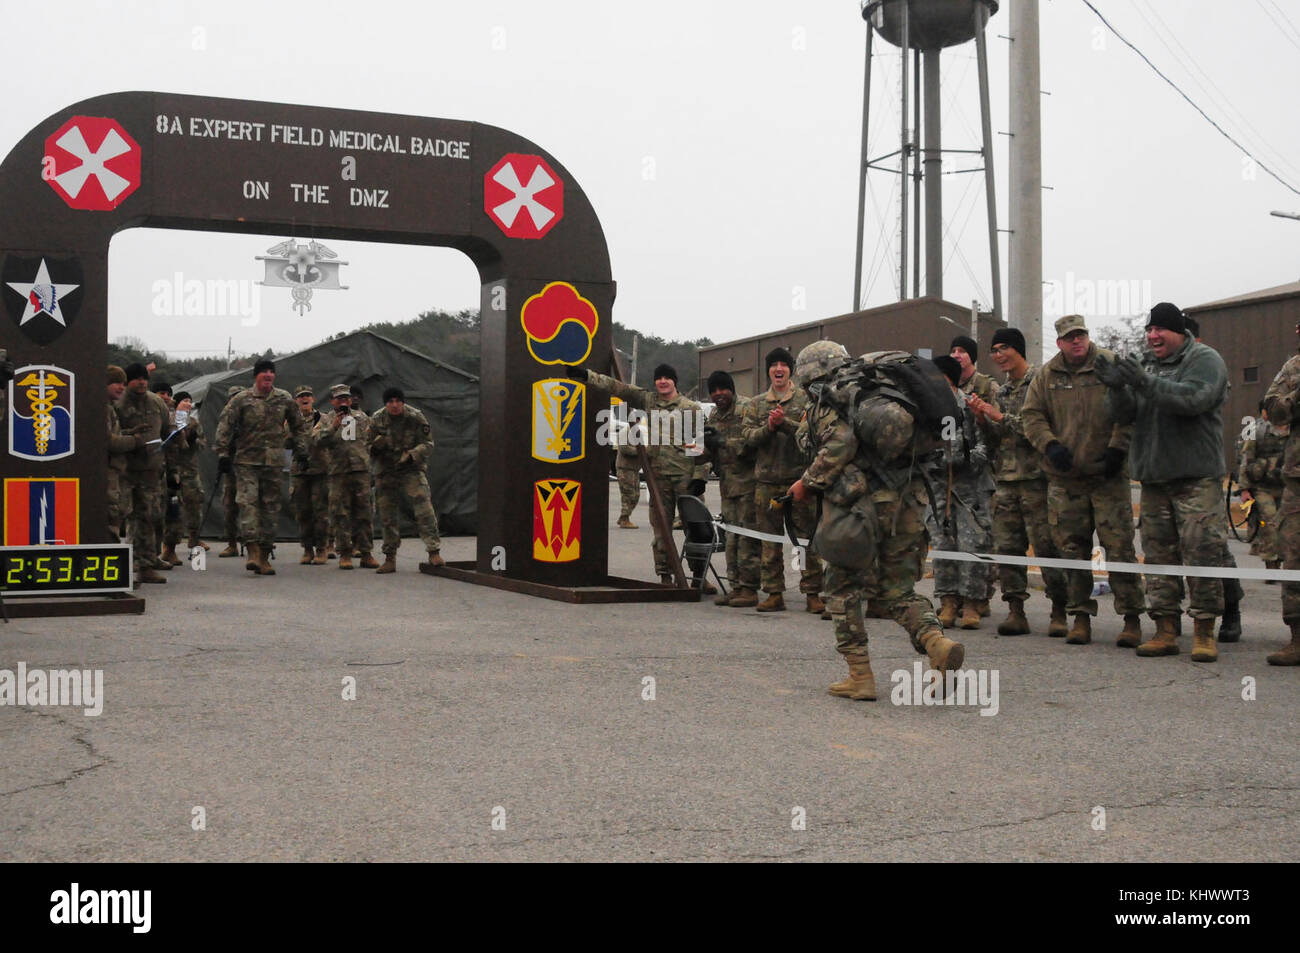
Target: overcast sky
718,142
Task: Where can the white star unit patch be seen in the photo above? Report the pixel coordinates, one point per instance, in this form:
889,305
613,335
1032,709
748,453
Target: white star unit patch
42,295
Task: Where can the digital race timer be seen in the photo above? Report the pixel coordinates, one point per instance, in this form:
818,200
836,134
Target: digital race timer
65,570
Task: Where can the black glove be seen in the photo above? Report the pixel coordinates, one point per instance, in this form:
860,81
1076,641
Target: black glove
1108,373
1112,461
712,442
1060,457
576,373
225,464
696,488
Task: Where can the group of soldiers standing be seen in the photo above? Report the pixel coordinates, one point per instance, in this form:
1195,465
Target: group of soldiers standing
337,459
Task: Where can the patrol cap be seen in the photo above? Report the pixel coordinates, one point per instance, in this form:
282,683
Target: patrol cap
303,389
1071,322
340,390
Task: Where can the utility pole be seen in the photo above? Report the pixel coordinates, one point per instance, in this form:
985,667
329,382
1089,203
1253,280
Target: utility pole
1026,177
228,352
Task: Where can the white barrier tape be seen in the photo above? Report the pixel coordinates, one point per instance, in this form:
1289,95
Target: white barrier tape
1149,569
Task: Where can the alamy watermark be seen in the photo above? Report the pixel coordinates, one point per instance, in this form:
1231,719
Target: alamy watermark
658,428
55,687
1105,298
967,686
179,297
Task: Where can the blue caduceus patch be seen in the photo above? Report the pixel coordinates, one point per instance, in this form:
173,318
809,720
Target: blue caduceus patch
41,413
558,420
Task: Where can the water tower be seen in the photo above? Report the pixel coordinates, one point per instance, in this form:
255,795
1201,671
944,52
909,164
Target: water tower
925,27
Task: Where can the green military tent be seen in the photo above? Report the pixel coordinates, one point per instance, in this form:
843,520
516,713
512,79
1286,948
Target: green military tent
446,395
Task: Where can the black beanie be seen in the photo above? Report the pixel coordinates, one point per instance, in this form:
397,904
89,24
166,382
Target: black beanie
951,369
1193,326
666,370
136,371
1011,337
778,354
721,380
967,345
1166,315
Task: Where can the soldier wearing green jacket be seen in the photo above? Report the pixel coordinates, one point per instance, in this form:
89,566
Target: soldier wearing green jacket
342,438
144,413
725,448
183,461
401,444
309,488
1282,402
250,442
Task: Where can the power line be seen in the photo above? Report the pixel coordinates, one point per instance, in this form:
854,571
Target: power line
1283,15
1190,102
1285,35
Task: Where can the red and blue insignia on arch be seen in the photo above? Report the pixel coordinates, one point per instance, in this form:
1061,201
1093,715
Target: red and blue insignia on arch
560,324
41,413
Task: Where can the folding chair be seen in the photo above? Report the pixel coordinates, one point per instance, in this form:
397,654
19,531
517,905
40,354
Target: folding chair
703,538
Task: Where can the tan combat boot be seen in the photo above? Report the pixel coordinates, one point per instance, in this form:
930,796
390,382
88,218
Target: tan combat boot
743,599
436,560
625,523
815,604
331,552
1081,632
345,559
1015,623
146,574
948,610
724,599
169,556
945,654
1165,641
1131,636
860,684
232,549
319,559
368,561
970,615
307,555
390,565
982,607
264,567
196,543
1057,628
775,602
254,557
1203,647
1290,655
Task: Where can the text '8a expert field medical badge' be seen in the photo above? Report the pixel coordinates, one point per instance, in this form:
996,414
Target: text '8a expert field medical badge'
42,295
557,520
41,413
558,420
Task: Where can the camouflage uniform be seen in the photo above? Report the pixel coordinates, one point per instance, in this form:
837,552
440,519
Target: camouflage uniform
119,445
1177,417
402,481
778,463
183,462
1261,474
1282,401
309,490
981,385
252,431
348,484
1067,403
965,527
144,414
842,472
628,466
672,421
229,507
736,485
1020,500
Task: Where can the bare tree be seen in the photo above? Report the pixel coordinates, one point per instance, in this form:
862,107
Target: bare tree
1125,336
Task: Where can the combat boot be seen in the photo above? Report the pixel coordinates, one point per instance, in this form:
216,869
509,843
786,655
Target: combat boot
254,557
724,599
368,561
1131,636
145,574
743,599
1015,623
1056,629
970,615
1081,632
319,559
1166,638
264,567
232,549
331,552
982,607
625,523
390,565
708,589
860,685
1230,627
948,611
1203,648
164,564
435,560
826,616
945,654
307,555
196,543
169,556
345,559
815,604
775,602
1290,655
